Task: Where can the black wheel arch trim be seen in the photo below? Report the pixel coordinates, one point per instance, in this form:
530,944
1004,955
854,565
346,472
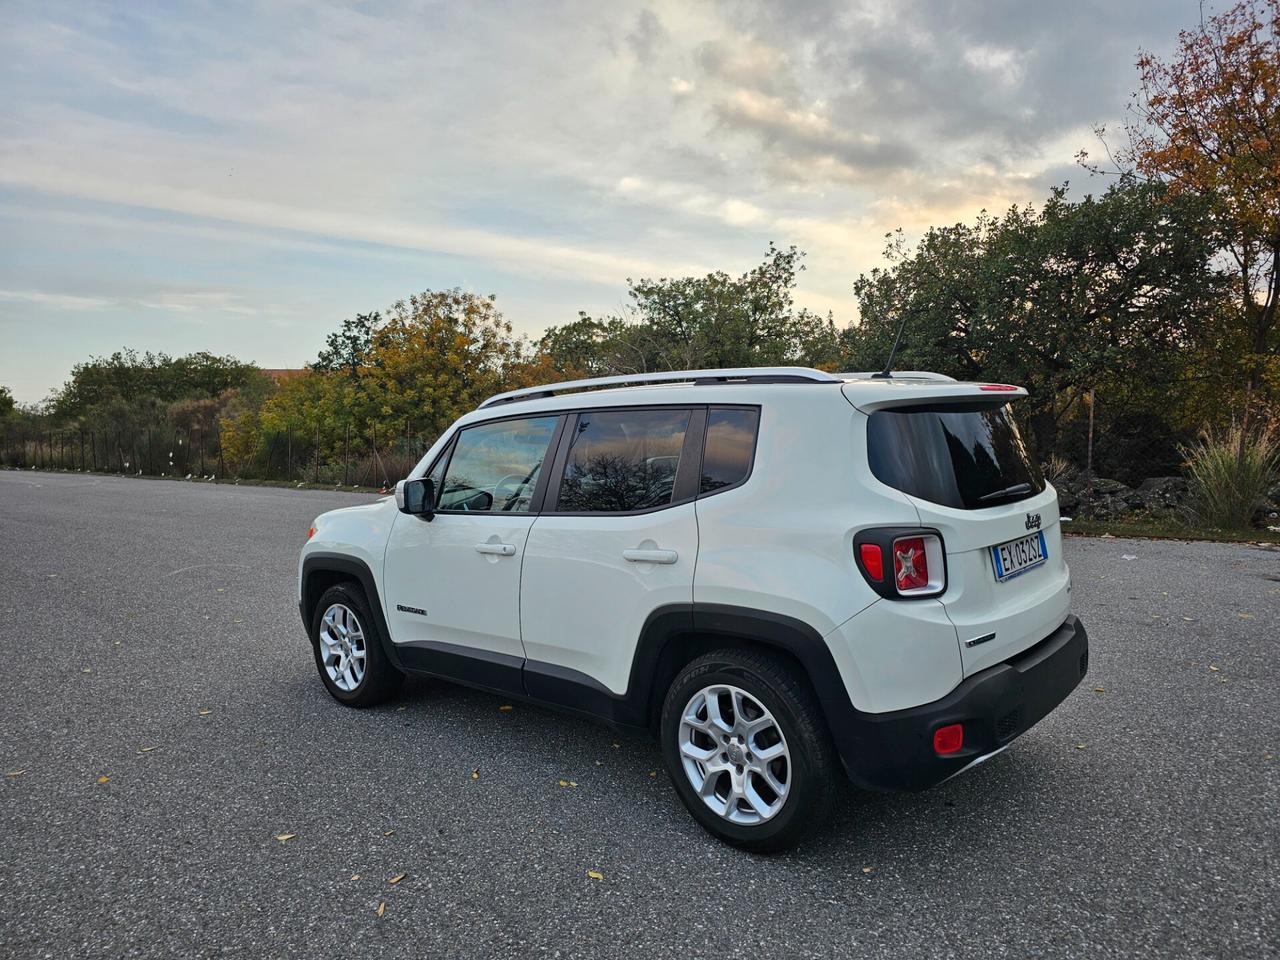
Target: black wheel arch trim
323,562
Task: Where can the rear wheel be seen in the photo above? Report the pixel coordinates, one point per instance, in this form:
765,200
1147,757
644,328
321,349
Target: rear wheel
745,744
348,649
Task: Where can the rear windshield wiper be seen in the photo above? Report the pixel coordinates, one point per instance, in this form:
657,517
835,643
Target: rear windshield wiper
1007,493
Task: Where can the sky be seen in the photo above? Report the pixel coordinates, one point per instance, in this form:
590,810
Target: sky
239,177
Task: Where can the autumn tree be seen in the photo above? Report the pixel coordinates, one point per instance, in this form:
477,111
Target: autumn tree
1207,122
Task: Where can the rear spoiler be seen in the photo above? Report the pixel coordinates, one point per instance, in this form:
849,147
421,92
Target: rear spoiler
871,395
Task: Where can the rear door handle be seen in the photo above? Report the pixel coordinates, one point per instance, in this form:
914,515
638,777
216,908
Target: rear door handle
650,556
497,549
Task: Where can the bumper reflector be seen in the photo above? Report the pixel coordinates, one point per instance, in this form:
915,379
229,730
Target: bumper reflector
948,739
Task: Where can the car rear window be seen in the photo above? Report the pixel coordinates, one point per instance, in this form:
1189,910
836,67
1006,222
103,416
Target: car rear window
968,456
622,460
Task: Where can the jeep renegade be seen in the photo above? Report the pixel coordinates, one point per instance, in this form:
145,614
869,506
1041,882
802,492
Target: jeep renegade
777,571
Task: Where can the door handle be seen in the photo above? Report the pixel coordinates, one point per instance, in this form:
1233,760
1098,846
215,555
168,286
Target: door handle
497,549
650,556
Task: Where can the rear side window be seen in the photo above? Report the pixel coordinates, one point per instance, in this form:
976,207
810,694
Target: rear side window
623,460
968,456
729,447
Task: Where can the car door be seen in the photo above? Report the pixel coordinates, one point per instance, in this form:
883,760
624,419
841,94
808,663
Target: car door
452,583
618,538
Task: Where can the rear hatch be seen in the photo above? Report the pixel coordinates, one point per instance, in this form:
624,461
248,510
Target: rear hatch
955,451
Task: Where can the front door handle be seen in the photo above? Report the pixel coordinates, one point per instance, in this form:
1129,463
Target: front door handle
497,549
650,556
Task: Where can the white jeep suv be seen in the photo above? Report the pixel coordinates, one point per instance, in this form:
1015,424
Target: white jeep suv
776,571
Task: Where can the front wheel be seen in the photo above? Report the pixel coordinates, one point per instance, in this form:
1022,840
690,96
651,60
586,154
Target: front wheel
745,744
348,649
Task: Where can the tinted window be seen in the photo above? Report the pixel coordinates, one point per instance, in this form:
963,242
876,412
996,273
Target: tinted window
623,460
730,443
495,466
967,456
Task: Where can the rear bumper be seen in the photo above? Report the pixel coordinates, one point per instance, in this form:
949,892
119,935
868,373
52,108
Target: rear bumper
894,751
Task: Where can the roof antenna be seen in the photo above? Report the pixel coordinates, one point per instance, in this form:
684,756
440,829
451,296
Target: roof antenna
887,372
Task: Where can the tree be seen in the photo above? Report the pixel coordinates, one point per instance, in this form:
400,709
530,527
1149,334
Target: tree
688,323
7,403
1107,290
1207,122
345,350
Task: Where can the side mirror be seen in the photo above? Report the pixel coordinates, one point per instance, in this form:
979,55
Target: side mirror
417,497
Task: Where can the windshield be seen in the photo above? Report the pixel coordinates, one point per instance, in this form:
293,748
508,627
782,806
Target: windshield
968,456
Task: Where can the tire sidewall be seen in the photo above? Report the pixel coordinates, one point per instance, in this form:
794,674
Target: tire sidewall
804,772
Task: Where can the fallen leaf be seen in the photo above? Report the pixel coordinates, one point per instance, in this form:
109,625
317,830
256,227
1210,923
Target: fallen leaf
1099,689
1189,619
506,708
1245,616
564,783
87,670
1127,556
475,774
617,745
599,763
148,749
355,876
382,908
237,621
103,779
15,773
595,874
573,783
1213,668
282,837
653,773
397,878
387,833
1081,746
868,869
205,713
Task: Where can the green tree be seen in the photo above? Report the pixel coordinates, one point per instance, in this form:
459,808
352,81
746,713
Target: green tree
7,403
1111,290
711,321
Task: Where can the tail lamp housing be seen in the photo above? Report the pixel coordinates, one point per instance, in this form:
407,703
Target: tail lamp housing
902,563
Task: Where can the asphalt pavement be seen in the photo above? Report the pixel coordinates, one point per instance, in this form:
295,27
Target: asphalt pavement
175,782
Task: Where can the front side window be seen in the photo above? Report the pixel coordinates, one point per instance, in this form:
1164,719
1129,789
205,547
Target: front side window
495,466
623,460
729,447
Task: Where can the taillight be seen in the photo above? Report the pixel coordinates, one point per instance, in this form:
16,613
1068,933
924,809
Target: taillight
948,739
915,557
872,561
311,531
910,564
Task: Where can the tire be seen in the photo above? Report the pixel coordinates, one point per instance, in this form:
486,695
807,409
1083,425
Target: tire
357,631
775,705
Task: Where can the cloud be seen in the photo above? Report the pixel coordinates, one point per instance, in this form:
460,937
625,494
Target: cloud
542,152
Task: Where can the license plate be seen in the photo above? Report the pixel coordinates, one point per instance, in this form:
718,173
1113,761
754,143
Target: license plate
1018,556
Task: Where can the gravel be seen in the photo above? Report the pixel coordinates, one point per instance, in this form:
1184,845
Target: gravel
162,706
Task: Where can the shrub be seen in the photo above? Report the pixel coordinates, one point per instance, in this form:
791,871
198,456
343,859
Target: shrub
1230,474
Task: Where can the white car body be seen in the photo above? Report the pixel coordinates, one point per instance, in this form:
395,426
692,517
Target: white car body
557,607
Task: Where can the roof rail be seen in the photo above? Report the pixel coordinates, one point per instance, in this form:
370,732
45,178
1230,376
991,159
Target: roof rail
730,375
896,375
